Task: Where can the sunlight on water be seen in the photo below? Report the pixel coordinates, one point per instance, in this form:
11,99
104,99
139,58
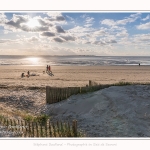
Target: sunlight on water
33,60
73,60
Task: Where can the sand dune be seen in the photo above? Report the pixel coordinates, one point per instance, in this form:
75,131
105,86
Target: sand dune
111,112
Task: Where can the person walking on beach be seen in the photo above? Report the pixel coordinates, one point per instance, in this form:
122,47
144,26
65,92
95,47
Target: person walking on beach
47,68
28,73
22,75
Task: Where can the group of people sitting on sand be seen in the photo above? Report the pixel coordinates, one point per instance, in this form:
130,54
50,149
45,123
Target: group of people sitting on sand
23,75
48,71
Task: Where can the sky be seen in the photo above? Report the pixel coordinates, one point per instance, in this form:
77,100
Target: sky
75,33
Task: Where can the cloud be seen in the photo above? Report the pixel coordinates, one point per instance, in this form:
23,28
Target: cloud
3,18
87,42
141,38
146,18
17,20
89,35
59,29
122,33
58,39
111,41
44,21
84,15
79,31
88,25
100,32
135,15
103,42
60,18
144,26
68,38
93,36
18,23
65,38
70,18
111,22
35,29
89,20
32,39
48,34
56,17
20,40
99,43
108,22
3,41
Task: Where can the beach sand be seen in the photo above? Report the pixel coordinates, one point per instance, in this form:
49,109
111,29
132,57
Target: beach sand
65,76
117,111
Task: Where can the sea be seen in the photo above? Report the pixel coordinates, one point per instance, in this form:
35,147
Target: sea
77,60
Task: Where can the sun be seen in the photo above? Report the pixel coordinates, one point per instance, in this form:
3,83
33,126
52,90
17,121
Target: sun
32,23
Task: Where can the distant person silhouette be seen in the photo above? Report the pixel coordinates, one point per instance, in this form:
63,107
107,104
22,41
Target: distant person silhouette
47,68
22,75
139,64
28,73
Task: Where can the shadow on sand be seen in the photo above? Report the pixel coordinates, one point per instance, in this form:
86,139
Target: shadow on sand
50,73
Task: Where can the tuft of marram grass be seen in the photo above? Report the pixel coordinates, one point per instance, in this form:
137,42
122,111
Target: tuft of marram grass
121,83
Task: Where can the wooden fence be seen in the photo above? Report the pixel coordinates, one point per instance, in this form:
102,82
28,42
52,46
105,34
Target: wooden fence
55,94
22,128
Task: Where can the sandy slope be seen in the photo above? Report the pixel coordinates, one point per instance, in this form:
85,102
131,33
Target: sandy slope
112,112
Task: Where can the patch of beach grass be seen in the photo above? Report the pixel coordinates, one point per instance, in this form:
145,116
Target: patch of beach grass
121,83
42,118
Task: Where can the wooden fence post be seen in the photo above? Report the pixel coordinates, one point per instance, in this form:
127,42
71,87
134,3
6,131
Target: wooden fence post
7,123
74,127
26,128
46,129
69,131
50,130
30,130
90,83
51,96
33,129
22,128
41,131
62,129
47,94
15,127
54,130
37,130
